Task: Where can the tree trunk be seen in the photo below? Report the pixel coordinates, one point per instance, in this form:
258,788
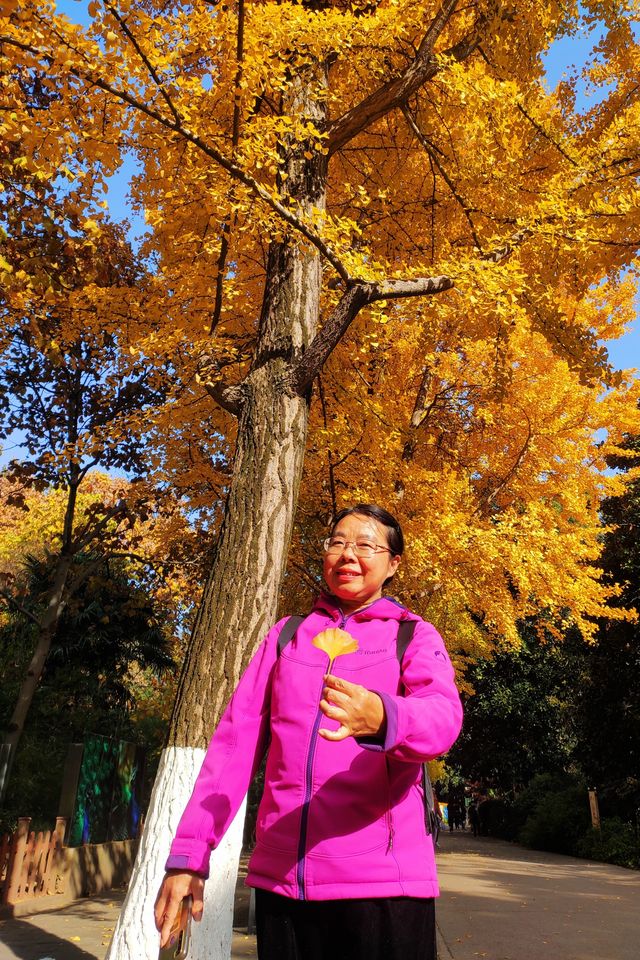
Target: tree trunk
241,595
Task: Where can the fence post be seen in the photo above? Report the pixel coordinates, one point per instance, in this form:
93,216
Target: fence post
56,872
16,857
61,829
595,809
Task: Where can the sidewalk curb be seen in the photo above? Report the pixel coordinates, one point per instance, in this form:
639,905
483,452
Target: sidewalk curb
444,951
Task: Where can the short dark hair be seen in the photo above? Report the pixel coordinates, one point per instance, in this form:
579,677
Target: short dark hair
393,530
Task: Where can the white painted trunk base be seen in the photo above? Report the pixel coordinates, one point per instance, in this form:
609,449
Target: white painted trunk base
135,936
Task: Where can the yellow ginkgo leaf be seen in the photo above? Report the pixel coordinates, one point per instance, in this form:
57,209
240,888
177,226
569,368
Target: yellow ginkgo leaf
335,642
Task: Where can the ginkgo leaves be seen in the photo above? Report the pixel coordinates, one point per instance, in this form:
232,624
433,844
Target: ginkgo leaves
474,410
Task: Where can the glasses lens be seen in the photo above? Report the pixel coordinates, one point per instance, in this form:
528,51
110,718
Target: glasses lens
333,545
364,549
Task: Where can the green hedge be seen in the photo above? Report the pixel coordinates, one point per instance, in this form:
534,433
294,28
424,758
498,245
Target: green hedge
615,843
552,813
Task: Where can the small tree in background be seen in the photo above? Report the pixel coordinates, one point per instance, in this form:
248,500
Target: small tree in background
111,652
519,717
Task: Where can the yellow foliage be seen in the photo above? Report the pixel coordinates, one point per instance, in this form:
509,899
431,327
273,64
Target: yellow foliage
482,415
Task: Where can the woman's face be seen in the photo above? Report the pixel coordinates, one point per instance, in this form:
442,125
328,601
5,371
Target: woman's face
357,581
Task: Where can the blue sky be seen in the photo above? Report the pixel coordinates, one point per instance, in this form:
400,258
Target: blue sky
565,57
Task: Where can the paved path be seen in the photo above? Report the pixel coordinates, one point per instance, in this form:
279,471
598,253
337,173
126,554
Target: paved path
502,902
78,931
82,931
498,901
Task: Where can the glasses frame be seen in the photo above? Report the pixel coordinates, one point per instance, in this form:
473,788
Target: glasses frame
353,544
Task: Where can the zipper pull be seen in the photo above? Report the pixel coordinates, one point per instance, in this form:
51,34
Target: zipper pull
390,845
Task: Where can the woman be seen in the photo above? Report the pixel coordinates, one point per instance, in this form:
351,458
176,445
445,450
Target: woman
343,865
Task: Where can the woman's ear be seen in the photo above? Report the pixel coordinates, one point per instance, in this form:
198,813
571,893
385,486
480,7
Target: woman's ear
394,563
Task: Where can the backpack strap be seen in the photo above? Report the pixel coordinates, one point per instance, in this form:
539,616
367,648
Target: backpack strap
288,632
406,630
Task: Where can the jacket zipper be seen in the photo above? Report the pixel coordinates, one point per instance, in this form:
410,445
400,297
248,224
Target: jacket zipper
308,787
302,843
388,815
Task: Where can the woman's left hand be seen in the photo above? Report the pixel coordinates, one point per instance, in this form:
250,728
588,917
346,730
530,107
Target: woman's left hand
359,712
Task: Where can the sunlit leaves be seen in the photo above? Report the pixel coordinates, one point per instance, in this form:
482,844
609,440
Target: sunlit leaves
479,413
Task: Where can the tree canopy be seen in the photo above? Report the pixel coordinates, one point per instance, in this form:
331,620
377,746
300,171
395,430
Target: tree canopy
451,171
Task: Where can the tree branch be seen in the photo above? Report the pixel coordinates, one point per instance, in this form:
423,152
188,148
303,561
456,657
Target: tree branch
489,494
347,309
235,139
90,532
395,92
151,69
326,340
360,295
20,608
74,585
400,289
332,480
543,133
146,561
433,156
229,398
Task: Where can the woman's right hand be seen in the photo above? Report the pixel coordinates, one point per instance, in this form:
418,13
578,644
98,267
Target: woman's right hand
175,886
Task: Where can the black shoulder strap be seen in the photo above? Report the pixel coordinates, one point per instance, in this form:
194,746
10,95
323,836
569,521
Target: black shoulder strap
406,629
288,632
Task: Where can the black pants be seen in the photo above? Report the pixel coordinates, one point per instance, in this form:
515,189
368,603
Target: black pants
385,928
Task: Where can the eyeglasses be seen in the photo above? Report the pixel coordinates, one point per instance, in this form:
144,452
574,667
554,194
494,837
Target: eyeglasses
361,548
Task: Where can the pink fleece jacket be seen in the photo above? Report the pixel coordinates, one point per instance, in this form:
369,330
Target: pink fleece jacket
337,819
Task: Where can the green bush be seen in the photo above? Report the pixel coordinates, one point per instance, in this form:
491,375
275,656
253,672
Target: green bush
557,813
34,787
498,819
616,842
552,813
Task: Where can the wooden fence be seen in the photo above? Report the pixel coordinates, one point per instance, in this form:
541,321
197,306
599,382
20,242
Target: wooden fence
30,863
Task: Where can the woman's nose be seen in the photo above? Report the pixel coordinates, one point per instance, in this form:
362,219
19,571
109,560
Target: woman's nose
351,547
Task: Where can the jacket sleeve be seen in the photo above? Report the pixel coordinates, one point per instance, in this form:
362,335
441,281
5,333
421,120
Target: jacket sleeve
425,721
233,755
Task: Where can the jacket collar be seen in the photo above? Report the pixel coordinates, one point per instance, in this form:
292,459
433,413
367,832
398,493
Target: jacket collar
384,608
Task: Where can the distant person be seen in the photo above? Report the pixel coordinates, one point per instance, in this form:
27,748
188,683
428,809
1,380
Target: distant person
438,812
474,818
343,866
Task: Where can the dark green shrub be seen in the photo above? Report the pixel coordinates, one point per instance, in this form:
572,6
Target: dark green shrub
615,843
498,819
34,788
555,810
